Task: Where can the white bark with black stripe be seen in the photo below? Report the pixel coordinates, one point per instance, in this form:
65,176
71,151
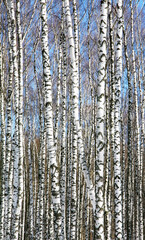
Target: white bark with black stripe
18,212
3,155
117,126
75,112
99,217
137,135
55,191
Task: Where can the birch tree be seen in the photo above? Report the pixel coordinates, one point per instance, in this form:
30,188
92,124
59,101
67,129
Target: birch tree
75,111
63,144
20,122
3,154
129,153
117,163
8,137
137,157
16,93
49,123
99,218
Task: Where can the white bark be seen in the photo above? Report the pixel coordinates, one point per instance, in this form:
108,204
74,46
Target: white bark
20,124
63,138
31,201
129,152
11,13
99,218
49,123
39,203
90,187
117,163
8,138
137,132
2,210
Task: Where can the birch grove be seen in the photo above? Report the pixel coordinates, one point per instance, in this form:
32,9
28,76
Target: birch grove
72,111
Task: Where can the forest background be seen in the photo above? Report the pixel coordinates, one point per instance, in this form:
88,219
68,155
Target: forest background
72,129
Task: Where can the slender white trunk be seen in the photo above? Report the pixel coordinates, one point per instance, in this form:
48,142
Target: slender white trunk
58,99
49,123
24,210
112,102
76,41
117,160
2,213
107,172
39,203
11,14
8,170
34,177
142,145
69,164
137,156
99,217
8,137
31,202
20,127
75,87
128,215
63,138
141,139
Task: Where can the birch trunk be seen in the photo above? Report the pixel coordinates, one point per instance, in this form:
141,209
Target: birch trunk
8,138
49,123
141,137
15,222
63,143
117,162
20,124
142,94
3,155
129,152
99,217
137,156
75,112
